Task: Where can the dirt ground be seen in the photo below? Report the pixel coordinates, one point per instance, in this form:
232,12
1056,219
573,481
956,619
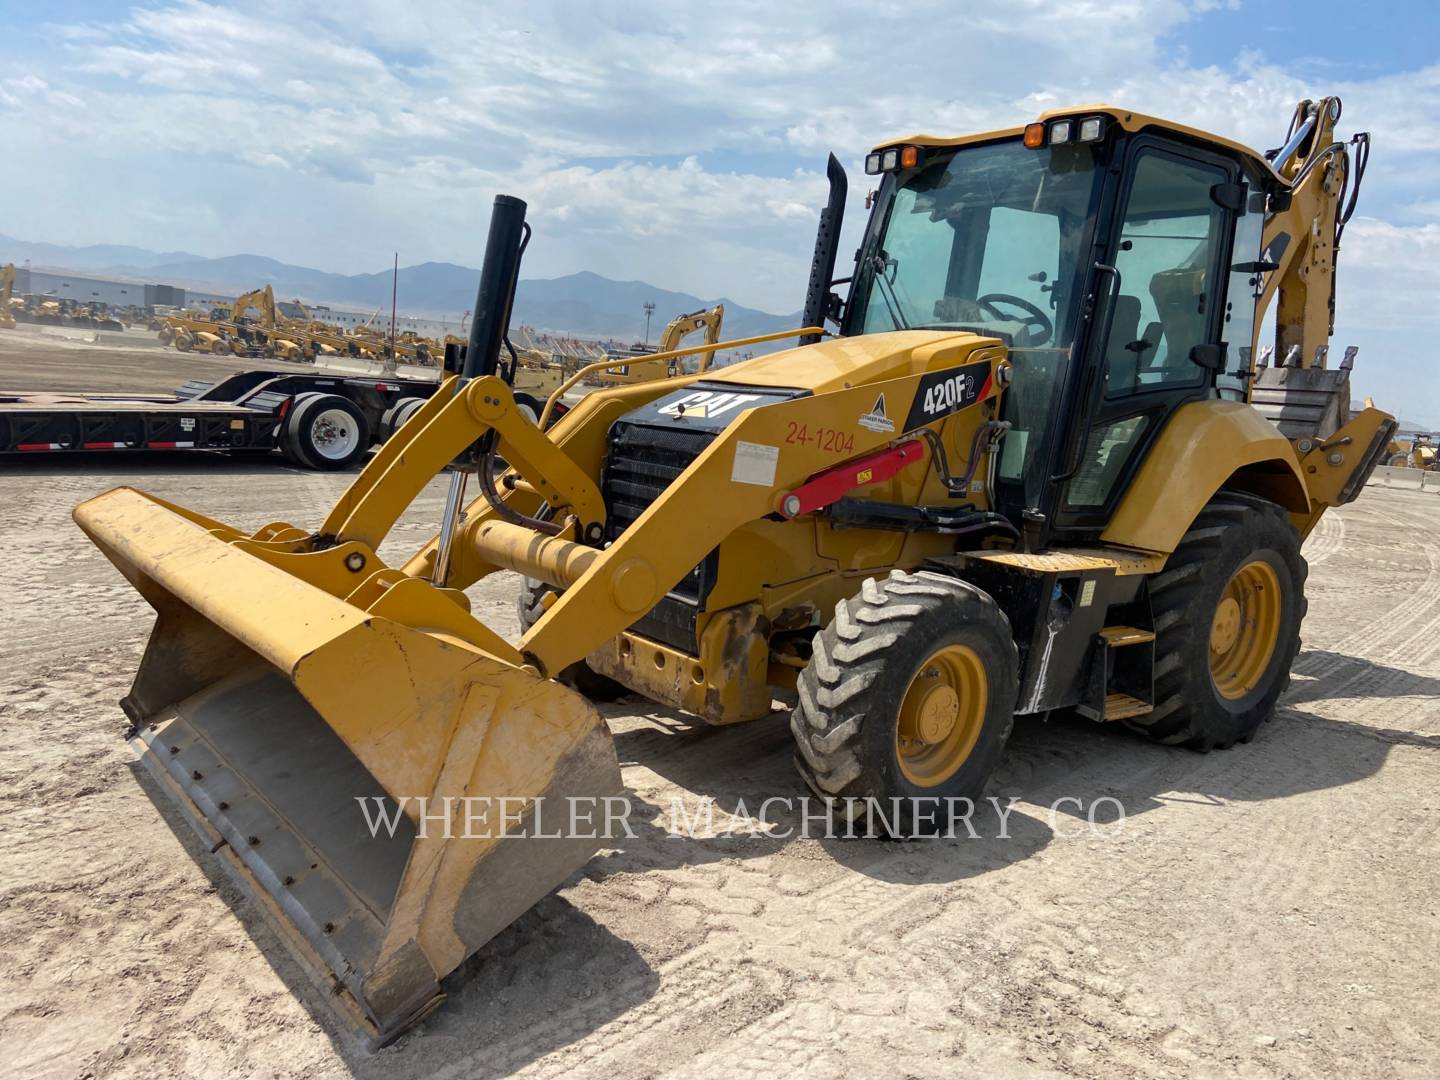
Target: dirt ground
1268,911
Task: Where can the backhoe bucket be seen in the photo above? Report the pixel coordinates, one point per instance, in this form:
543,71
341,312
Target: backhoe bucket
392,794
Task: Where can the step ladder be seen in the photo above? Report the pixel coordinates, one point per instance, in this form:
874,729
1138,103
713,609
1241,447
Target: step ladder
1122,675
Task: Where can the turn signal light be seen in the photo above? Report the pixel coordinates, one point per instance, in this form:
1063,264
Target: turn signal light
1034,136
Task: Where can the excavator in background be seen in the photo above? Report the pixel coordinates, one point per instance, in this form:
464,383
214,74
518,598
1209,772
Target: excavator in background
299,340
674,335
1021,465
7,289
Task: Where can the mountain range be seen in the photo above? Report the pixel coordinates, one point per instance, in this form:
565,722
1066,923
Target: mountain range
583,303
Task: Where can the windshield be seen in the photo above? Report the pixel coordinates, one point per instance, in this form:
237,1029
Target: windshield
987,238
993,239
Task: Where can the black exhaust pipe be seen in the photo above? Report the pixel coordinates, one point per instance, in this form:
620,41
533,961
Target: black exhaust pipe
827,243
497,288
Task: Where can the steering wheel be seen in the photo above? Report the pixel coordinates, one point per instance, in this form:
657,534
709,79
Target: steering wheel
1036,317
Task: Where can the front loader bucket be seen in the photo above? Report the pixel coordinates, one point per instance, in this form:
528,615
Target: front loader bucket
392,794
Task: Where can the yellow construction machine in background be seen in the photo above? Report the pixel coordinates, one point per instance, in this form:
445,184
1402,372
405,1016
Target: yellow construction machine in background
676,331
1022,470
7,289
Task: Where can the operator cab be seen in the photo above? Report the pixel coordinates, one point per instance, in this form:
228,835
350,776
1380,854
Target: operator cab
1116,256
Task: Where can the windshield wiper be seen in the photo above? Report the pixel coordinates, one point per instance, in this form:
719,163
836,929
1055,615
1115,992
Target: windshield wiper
878,265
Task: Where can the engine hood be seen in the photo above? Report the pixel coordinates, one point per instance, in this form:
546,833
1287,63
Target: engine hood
841,362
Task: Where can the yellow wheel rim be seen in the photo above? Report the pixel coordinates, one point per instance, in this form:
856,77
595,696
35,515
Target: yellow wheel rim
941,715
1244,629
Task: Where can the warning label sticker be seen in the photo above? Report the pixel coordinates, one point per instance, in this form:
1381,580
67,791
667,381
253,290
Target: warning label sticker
755,464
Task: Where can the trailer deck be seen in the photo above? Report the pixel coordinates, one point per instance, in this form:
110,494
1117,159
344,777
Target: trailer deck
243,411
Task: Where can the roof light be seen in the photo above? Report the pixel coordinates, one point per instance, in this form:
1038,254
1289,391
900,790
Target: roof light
1060,132
1092,129
1034,135
897,157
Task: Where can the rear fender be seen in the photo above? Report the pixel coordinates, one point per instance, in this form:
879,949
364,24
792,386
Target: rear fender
1206,446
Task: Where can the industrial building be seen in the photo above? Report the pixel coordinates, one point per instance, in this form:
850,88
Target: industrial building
90,290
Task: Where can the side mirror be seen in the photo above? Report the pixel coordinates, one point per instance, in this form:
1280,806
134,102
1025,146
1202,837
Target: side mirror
1210,357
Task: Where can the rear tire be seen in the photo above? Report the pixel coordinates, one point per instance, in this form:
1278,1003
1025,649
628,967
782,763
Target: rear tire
579,676
325,432
1228,608
909,694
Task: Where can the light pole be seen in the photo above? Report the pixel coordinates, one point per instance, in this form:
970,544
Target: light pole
649,310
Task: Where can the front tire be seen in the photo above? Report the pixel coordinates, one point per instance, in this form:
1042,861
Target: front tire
579,676
1228,608
909,695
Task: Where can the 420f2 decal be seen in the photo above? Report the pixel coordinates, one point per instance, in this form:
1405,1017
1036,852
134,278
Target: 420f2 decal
941,393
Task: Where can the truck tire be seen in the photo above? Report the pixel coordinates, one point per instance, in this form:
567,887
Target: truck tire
529,406
1228,608
579,676
909,695
325,432
397,414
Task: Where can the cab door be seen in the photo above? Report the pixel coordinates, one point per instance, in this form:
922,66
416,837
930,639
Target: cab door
1161,301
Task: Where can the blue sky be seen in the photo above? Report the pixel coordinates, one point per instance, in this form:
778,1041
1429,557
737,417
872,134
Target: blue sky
683,145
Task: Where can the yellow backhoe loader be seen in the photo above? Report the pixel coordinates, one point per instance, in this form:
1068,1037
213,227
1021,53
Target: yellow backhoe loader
1021,472
1419,451
197,331
674,335
7,287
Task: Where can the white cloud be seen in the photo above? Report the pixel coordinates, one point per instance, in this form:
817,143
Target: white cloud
682,144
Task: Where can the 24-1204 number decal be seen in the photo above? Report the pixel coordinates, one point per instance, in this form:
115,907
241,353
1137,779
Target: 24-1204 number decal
823,438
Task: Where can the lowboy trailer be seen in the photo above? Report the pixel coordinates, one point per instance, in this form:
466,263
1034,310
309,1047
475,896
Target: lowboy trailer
316,420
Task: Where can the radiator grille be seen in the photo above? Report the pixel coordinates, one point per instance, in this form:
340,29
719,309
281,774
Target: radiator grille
641,462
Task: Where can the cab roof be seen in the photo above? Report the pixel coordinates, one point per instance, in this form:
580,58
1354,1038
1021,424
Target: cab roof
1128,119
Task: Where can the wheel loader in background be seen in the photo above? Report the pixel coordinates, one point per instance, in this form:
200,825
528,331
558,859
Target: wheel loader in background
1023,472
